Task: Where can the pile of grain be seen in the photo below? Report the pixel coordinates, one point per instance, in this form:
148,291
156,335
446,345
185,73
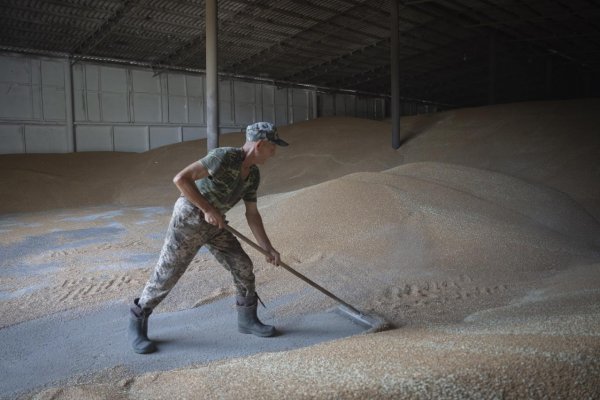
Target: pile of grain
480,236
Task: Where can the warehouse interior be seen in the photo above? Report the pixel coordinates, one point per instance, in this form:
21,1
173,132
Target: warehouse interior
129,75
443,173
537,49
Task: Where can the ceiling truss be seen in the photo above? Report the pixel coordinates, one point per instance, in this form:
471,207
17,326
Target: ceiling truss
445,50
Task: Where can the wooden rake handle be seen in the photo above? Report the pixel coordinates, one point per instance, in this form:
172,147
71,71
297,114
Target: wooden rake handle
291,270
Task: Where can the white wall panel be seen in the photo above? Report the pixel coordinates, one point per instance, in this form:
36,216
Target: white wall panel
164,99
245,113
37,112
281,115
195,85
16,97
267,103
244,92
268,95
79,105
33,89
94,138
230,130
92,77
46,139
299,114
11,139
178,109
194,132
15,101
37,103
53,73
54,103
78,77
362,108
145,82
340,104
114,99
196,110
281,106
225,103
268,113
225,90
245,103
113,79
147,107
15,69
281,96
114,107
93,107
299,105
312,104
350,105
131,138
379,109
176,84
36,71
146,97
299,98
258,106
225,113
373,108
327,105
164,135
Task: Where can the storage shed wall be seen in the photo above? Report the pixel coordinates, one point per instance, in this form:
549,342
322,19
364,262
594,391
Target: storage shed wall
48,105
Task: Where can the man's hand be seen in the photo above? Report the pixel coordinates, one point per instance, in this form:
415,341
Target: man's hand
214,217
256,226
185,182
273,257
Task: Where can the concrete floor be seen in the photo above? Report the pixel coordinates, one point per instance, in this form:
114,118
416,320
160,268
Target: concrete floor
61,346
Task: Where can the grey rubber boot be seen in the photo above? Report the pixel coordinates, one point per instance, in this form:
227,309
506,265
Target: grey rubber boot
248,321
138,329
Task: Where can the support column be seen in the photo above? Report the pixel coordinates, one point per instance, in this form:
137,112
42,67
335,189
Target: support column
492,70
212,81
395,74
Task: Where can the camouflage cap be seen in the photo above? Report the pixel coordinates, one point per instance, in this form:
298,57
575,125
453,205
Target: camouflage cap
264,131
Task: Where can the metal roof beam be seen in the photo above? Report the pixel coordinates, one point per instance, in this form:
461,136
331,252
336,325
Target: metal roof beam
263,56
412,34
184,52
454,46
92,40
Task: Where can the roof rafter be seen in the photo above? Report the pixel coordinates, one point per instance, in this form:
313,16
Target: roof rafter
96,37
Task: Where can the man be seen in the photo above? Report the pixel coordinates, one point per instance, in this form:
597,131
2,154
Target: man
209,188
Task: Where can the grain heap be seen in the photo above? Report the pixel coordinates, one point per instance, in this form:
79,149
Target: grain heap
479,237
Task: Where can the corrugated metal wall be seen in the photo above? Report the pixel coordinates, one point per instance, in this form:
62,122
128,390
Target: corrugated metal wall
117,108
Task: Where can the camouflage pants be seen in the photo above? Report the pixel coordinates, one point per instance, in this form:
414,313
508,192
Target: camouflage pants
187,232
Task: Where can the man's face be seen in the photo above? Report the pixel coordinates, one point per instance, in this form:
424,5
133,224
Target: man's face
265,150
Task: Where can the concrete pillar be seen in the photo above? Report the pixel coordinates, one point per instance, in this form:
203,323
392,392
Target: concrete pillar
395,72
212,80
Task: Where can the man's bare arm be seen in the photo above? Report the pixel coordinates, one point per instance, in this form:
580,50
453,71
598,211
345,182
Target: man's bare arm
185,182
258,230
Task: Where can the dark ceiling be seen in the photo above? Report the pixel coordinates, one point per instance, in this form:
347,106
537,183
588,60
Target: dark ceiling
449,49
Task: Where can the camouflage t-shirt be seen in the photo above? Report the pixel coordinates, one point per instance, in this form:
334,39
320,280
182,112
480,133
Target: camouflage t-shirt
224,187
